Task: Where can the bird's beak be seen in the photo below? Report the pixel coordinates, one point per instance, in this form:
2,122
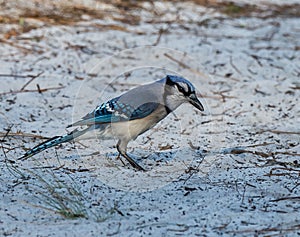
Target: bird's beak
195,102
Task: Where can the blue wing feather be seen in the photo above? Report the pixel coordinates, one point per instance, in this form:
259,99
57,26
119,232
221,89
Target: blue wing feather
116,111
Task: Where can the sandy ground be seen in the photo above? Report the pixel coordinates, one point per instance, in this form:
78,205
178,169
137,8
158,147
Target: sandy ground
232,170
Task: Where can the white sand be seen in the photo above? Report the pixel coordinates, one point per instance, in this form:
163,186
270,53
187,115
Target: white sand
244,179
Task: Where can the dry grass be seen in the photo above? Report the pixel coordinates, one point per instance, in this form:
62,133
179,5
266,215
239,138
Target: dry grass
57,192
31,17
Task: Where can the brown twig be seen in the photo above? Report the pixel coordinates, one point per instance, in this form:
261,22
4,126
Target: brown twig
32,78
221,93
262,231
225,76
290,170
177,61
37,90
122,84
235,68
18,134
278,132
6,134
15,75
241,151
209,96
193,146
15,45
262,154
286,198
260,144
160,33
184,65
2,147
193,170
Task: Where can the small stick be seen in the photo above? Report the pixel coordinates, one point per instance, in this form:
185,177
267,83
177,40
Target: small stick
14,75
2,147
184,65
12,134
160,33
177,61
286,198
32,78
15,45
231,63
278,132
40,90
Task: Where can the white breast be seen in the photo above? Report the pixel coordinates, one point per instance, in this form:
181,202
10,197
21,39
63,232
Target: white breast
131,129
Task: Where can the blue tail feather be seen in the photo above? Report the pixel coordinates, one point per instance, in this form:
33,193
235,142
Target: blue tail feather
54,141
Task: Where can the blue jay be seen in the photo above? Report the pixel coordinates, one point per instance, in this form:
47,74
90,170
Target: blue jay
129,115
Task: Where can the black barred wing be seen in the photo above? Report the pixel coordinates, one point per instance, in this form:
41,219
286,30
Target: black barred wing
117,111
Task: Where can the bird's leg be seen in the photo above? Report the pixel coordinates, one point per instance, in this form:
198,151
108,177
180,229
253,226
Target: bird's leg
119,158
122,147
132,162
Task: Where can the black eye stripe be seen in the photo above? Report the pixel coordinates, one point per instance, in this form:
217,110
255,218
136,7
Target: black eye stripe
186,91
180,88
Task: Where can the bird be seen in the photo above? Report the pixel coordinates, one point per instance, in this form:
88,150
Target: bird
129,115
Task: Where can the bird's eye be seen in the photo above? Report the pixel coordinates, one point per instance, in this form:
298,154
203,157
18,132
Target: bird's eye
180,88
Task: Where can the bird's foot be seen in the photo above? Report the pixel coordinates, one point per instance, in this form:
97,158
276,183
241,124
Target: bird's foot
119,158
133,163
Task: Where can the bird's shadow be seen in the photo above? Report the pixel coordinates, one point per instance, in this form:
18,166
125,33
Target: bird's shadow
151,159
145,158
142,157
